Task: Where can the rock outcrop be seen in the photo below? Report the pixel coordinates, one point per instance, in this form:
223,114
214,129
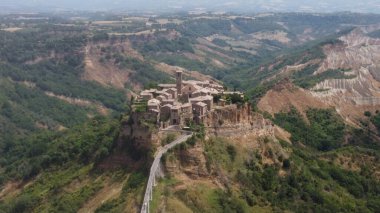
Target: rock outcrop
136,143
191,162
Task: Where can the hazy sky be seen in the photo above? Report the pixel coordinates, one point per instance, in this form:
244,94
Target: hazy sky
219,5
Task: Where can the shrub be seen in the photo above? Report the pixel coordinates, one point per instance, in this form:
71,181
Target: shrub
23,204
367,113
231,150
376,121
134,181
192,140
374,203
168,139
286,164
231,204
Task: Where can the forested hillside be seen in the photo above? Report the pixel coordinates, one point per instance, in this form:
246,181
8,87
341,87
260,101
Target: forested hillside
59,172
41,85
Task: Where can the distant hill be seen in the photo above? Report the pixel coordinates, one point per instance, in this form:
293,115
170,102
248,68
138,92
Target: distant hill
197,5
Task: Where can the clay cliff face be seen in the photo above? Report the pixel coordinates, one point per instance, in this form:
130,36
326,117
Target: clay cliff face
356,51
352,96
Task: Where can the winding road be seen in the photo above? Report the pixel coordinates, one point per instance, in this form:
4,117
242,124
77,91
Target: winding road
156,167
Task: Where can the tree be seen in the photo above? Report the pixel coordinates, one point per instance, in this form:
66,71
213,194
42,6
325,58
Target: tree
231,150
286,164
368,114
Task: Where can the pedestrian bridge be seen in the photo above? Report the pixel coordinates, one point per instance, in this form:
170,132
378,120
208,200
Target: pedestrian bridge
155,169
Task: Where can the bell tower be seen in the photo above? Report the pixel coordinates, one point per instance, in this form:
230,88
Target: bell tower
179,82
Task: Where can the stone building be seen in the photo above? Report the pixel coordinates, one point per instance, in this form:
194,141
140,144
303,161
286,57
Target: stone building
200,110
183,102
153,104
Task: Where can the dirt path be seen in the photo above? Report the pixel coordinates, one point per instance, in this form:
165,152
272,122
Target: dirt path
110,191
11,189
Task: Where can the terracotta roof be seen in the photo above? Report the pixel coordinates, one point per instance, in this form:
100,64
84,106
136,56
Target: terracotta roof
162,97
167,85
230,93
176,107
201,104
195,82
168,105
186,105
201,98
197,87
167,94
206,90
153,102
168,100
208,97
145,93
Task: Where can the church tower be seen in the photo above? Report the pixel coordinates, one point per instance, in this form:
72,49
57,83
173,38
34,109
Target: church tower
179,82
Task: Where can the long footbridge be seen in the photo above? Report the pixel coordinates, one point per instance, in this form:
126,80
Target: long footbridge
155,168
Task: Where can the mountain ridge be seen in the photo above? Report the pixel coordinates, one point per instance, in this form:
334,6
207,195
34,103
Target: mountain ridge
229,6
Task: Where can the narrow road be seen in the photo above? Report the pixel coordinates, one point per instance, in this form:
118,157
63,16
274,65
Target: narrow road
155,167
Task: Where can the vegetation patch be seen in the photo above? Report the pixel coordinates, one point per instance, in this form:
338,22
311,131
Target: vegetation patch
325,130
87,143
376,121
145,73
306,79
165,45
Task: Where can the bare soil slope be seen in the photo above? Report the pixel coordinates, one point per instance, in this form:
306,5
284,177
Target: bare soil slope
106,72
285,95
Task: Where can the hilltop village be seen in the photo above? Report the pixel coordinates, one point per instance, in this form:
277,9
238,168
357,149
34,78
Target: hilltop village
186,101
